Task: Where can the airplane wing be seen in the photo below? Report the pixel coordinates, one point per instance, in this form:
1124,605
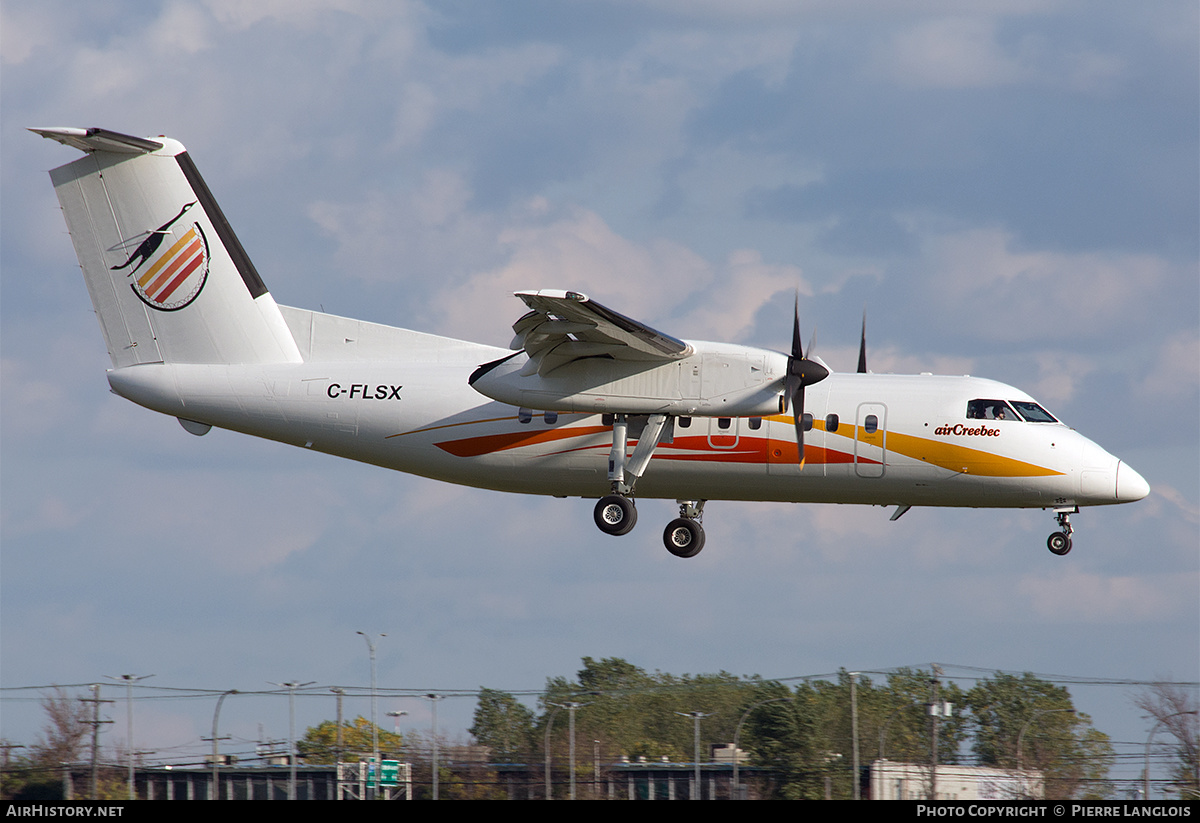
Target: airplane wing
563,326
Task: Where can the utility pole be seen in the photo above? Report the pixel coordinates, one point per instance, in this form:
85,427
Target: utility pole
937,710
854,731
933,735
338,744
95,724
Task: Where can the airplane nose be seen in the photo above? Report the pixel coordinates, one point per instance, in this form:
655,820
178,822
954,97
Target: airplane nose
1130,485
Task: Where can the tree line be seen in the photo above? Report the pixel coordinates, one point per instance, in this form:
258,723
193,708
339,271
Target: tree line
800,737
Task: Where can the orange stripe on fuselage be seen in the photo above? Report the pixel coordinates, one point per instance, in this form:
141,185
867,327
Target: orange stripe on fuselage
949,456
492,443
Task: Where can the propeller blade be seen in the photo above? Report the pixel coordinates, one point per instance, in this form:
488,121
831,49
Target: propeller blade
862,346
798,422
801,372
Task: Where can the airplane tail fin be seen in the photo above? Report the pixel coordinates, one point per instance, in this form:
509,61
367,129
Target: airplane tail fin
168,278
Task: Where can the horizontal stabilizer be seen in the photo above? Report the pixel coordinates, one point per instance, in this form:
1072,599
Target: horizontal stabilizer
90,140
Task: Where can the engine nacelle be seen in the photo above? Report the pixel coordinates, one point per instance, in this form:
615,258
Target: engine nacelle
715,380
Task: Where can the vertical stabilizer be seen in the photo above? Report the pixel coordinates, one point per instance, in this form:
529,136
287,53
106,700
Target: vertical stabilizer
168,278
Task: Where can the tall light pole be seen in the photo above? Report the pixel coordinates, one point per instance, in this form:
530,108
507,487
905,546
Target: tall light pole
549,727
374,712
434,698
571,706
216,769
698,789
1149,737
396,721
737,733
291,686
1021,737
129,679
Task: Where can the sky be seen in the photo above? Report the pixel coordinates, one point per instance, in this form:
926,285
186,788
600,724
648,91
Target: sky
1010,189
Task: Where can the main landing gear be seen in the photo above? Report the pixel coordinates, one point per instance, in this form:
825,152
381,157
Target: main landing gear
1060,541
684,536
615,513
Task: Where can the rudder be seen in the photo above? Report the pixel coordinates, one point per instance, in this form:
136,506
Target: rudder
167,275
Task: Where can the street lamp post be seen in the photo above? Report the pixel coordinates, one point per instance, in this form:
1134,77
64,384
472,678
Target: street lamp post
291,686
1153,730
129,679
737,734
374,712
216,769
697,789
549,726
434,698
570,706
1021,736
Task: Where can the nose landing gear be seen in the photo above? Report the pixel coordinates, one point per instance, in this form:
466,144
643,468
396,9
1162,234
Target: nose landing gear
1060,542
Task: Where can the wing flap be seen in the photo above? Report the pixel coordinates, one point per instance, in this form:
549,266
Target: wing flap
563,326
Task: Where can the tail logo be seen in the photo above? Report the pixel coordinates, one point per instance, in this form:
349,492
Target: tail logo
173,278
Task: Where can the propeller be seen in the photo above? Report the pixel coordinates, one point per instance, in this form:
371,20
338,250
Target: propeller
801,372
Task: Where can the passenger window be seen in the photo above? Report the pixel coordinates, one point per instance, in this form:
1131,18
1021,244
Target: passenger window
755,423
524,415
723,422
806,421
685,422
871,424
551,417
831,422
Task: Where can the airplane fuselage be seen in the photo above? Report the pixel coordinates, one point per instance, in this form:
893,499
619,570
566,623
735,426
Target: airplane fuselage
417,414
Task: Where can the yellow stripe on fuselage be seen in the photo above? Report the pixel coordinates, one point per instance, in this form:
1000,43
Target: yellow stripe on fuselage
949,456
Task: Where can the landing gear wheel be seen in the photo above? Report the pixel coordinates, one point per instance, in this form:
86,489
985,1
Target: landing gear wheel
684,537
615,515
1059,543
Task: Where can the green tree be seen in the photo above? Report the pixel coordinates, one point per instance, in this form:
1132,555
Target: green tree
1053,737
810,744
505,725
634,713
319,744
781,731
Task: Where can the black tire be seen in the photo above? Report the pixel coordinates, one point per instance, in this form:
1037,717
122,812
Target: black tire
683,537
1059,543
615,515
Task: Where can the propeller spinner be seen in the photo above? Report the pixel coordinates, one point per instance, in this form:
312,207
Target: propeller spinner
801,372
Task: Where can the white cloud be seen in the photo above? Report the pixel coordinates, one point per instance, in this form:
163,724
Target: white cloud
967,51
1076,595
1175,370
977,278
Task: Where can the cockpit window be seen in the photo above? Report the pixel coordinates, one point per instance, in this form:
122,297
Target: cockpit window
1033,412
990,410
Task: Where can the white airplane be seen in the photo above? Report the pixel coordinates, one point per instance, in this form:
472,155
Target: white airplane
591,403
